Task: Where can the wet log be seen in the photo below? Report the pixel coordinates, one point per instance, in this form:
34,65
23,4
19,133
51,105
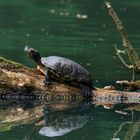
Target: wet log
129,86
17,79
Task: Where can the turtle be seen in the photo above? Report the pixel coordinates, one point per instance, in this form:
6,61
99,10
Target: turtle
62,69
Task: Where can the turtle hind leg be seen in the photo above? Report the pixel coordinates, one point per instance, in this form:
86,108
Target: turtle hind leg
86,91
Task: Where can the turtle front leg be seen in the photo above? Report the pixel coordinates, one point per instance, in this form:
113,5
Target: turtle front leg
47,78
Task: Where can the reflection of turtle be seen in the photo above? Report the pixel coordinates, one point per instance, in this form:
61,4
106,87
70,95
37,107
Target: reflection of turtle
63,70
63,122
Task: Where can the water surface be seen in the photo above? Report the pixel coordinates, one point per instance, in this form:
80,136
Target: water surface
53,27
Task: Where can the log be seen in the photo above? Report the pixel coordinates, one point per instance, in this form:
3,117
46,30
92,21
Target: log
129,86
17,79
20,82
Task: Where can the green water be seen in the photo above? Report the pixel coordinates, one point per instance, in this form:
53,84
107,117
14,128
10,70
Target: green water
51,26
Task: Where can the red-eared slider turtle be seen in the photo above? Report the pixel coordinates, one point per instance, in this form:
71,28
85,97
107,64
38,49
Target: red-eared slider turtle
63,70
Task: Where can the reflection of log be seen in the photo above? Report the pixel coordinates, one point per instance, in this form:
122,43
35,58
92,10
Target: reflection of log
16,79
17,113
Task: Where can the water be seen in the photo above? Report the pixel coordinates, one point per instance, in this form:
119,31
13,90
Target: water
53,27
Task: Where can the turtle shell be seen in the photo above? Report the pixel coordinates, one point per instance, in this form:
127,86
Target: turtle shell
67,68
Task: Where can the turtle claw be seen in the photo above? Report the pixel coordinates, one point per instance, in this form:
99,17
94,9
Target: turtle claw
46,82
87,94
86,91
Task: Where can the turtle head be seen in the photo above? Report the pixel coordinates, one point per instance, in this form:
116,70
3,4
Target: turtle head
33,54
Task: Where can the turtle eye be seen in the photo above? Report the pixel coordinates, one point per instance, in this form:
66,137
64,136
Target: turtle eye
32,52
35,54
